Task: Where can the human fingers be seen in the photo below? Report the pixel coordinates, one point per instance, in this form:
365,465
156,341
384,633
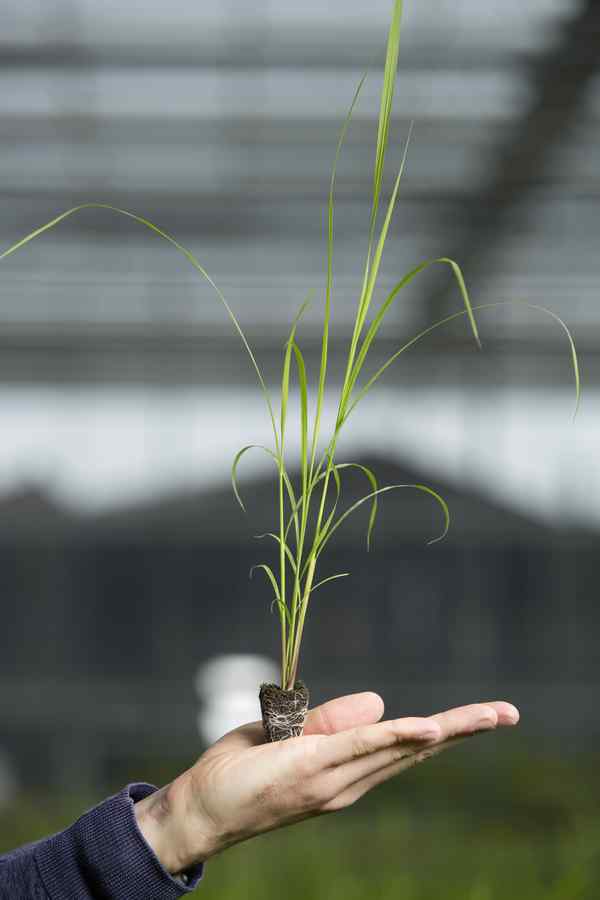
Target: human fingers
335,715
354,791
363,740
355,743
455,723
345,712
507,713
463,720
406,757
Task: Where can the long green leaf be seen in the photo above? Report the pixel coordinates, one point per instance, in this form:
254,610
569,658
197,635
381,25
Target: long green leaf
237,459
287,550
391,487
450,318
183,250
383,127
270,575
329,279
286,479
374,270
285,379
303,415
285,385
371,276
372,517
385,306
331,578
283,610
385,107
373,482
338,487
574,359
319,476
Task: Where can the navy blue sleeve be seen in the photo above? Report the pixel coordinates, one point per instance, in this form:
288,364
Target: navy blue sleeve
102,856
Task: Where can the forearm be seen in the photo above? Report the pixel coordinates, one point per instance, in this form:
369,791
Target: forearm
103,854
171,825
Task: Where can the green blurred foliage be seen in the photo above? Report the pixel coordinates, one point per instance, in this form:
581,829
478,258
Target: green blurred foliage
482,822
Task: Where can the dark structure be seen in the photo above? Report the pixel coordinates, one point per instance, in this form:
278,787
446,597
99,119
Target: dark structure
519,165
105,619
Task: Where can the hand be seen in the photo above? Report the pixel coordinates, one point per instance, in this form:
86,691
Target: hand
241,786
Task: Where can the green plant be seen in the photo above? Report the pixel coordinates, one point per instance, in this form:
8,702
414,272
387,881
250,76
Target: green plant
300,539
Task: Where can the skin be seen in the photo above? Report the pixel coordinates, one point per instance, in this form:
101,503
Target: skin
242,787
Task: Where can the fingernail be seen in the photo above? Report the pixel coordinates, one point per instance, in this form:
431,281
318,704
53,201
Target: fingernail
513,714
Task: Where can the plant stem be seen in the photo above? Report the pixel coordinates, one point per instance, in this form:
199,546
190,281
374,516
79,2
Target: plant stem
282,570
298,636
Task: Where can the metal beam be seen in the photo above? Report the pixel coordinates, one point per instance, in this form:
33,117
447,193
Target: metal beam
559,80
307,50
189,355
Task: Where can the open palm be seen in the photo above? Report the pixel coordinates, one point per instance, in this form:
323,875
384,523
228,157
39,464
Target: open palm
241,786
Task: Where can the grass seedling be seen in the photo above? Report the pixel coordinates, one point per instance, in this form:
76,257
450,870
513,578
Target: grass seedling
307,512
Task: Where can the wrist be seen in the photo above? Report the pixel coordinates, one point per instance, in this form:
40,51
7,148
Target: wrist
168,823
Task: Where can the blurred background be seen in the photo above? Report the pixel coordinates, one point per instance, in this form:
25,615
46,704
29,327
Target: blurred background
130,634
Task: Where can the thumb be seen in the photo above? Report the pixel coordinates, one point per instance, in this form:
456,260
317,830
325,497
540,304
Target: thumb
364,708
342,713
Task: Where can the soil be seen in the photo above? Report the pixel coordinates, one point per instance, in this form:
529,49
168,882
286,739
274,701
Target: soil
283,712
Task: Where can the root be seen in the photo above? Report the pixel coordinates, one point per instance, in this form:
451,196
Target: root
283,712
